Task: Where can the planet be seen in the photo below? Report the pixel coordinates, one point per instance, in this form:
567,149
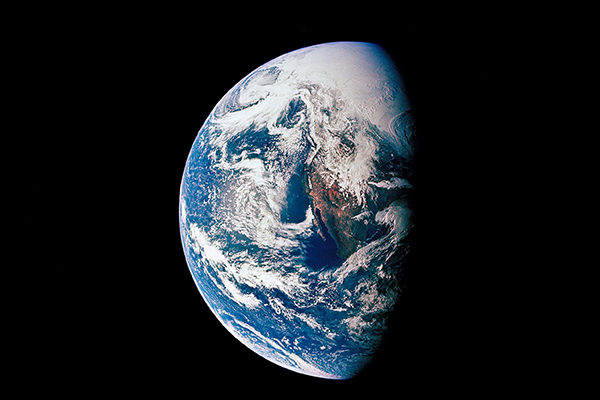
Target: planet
295,206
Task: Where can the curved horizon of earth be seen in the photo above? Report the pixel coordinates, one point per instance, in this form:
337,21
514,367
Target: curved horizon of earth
294,206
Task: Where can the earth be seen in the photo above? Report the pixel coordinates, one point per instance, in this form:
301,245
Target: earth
295,206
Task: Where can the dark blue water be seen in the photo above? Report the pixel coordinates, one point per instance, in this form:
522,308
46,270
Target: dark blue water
291,115
297,202
322,252
251,139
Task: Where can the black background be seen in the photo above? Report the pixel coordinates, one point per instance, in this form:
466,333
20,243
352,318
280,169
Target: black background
113,101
